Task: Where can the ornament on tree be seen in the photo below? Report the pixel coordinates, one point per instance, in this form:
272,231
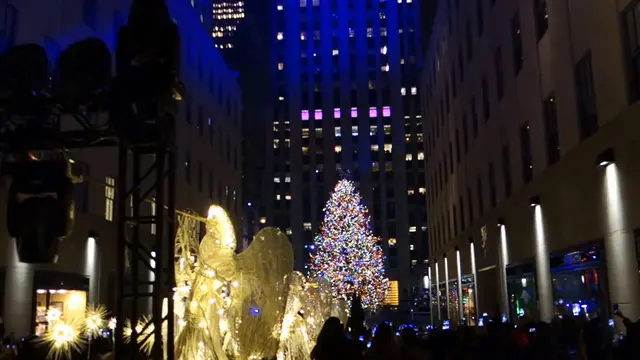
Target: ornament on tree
347,253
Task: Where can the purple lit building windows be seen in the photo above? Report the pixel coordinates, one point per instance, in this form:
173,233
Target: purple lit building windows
354,112
317,114
373,112
386,111
336,113
304,114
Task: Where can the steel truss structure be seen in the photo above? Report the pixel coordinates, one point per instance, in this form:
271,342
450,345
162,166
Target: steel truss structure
136,184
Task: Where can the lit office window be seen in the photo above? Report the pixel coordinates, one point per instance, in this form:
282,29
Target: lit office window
408,157
354,131
385,68
304,114
307,226
386,111
318,114
109,197
338,148
403,91
280,7
421,155
354,112
276,179
337,131
280,36
335,52
388,148
383,50
280,66
336,113
287,179
373,112
414,90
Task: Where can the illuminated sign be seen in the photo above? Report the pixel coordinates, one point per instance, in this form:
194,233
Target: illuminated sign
393,297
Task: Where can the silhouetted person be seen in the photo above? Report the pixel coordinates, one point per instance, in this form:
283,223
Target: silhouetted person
410,348
333,344
383,346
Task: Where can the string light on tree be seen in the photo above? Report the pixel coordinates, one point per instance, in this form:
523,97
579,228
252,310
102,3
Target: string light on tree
348,254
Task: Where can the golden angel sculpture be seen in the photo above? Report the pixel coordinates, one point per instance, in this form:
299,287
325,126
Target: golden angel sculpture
249,305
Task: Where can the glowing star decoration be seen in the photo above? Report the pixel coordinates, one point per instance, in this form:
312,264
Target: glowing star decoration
95,319
64,338
347,253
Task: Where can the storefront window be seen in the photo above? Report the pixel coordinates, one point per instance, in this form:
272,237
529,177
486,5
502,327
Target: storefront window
52,304
576,280
577,292
434,303
468,300
443,301
454,315
58,295
522,296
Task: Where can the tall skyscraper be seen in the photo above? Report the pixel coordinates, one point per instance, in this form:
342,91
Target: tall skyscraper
346,103
227,14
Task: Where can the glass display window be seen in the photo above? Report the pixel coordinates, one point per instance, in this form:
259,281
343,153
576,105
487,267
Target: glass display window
522,296
52,304
468,300
57,295
454,300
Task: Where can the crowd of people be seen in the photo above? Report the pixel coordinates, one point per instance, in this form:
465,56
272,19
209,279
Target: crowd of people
567,338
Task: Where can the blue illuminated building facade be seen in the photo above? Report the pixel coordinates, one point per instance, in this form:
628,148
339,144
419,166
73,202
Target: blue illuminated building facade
208,141
347,101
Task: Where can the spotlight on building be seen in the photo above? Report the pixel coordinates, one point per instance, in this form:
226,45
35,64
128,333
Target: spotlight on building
500,222
534,201
605,158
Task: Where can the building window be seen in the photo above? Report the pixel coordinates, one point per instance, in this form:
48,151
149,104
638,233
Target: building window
497,61
469,41
493,197
525,153
153,213
465,133
586,97
480,16
474,117
486,106
187,168
551,130
109,197
632,19
506,170
199,175
480,196
516,43
470,204
542,18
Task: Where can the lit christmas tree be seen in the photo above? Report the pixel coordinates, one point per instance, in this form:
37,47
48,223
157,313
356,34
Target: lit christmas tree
347,254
